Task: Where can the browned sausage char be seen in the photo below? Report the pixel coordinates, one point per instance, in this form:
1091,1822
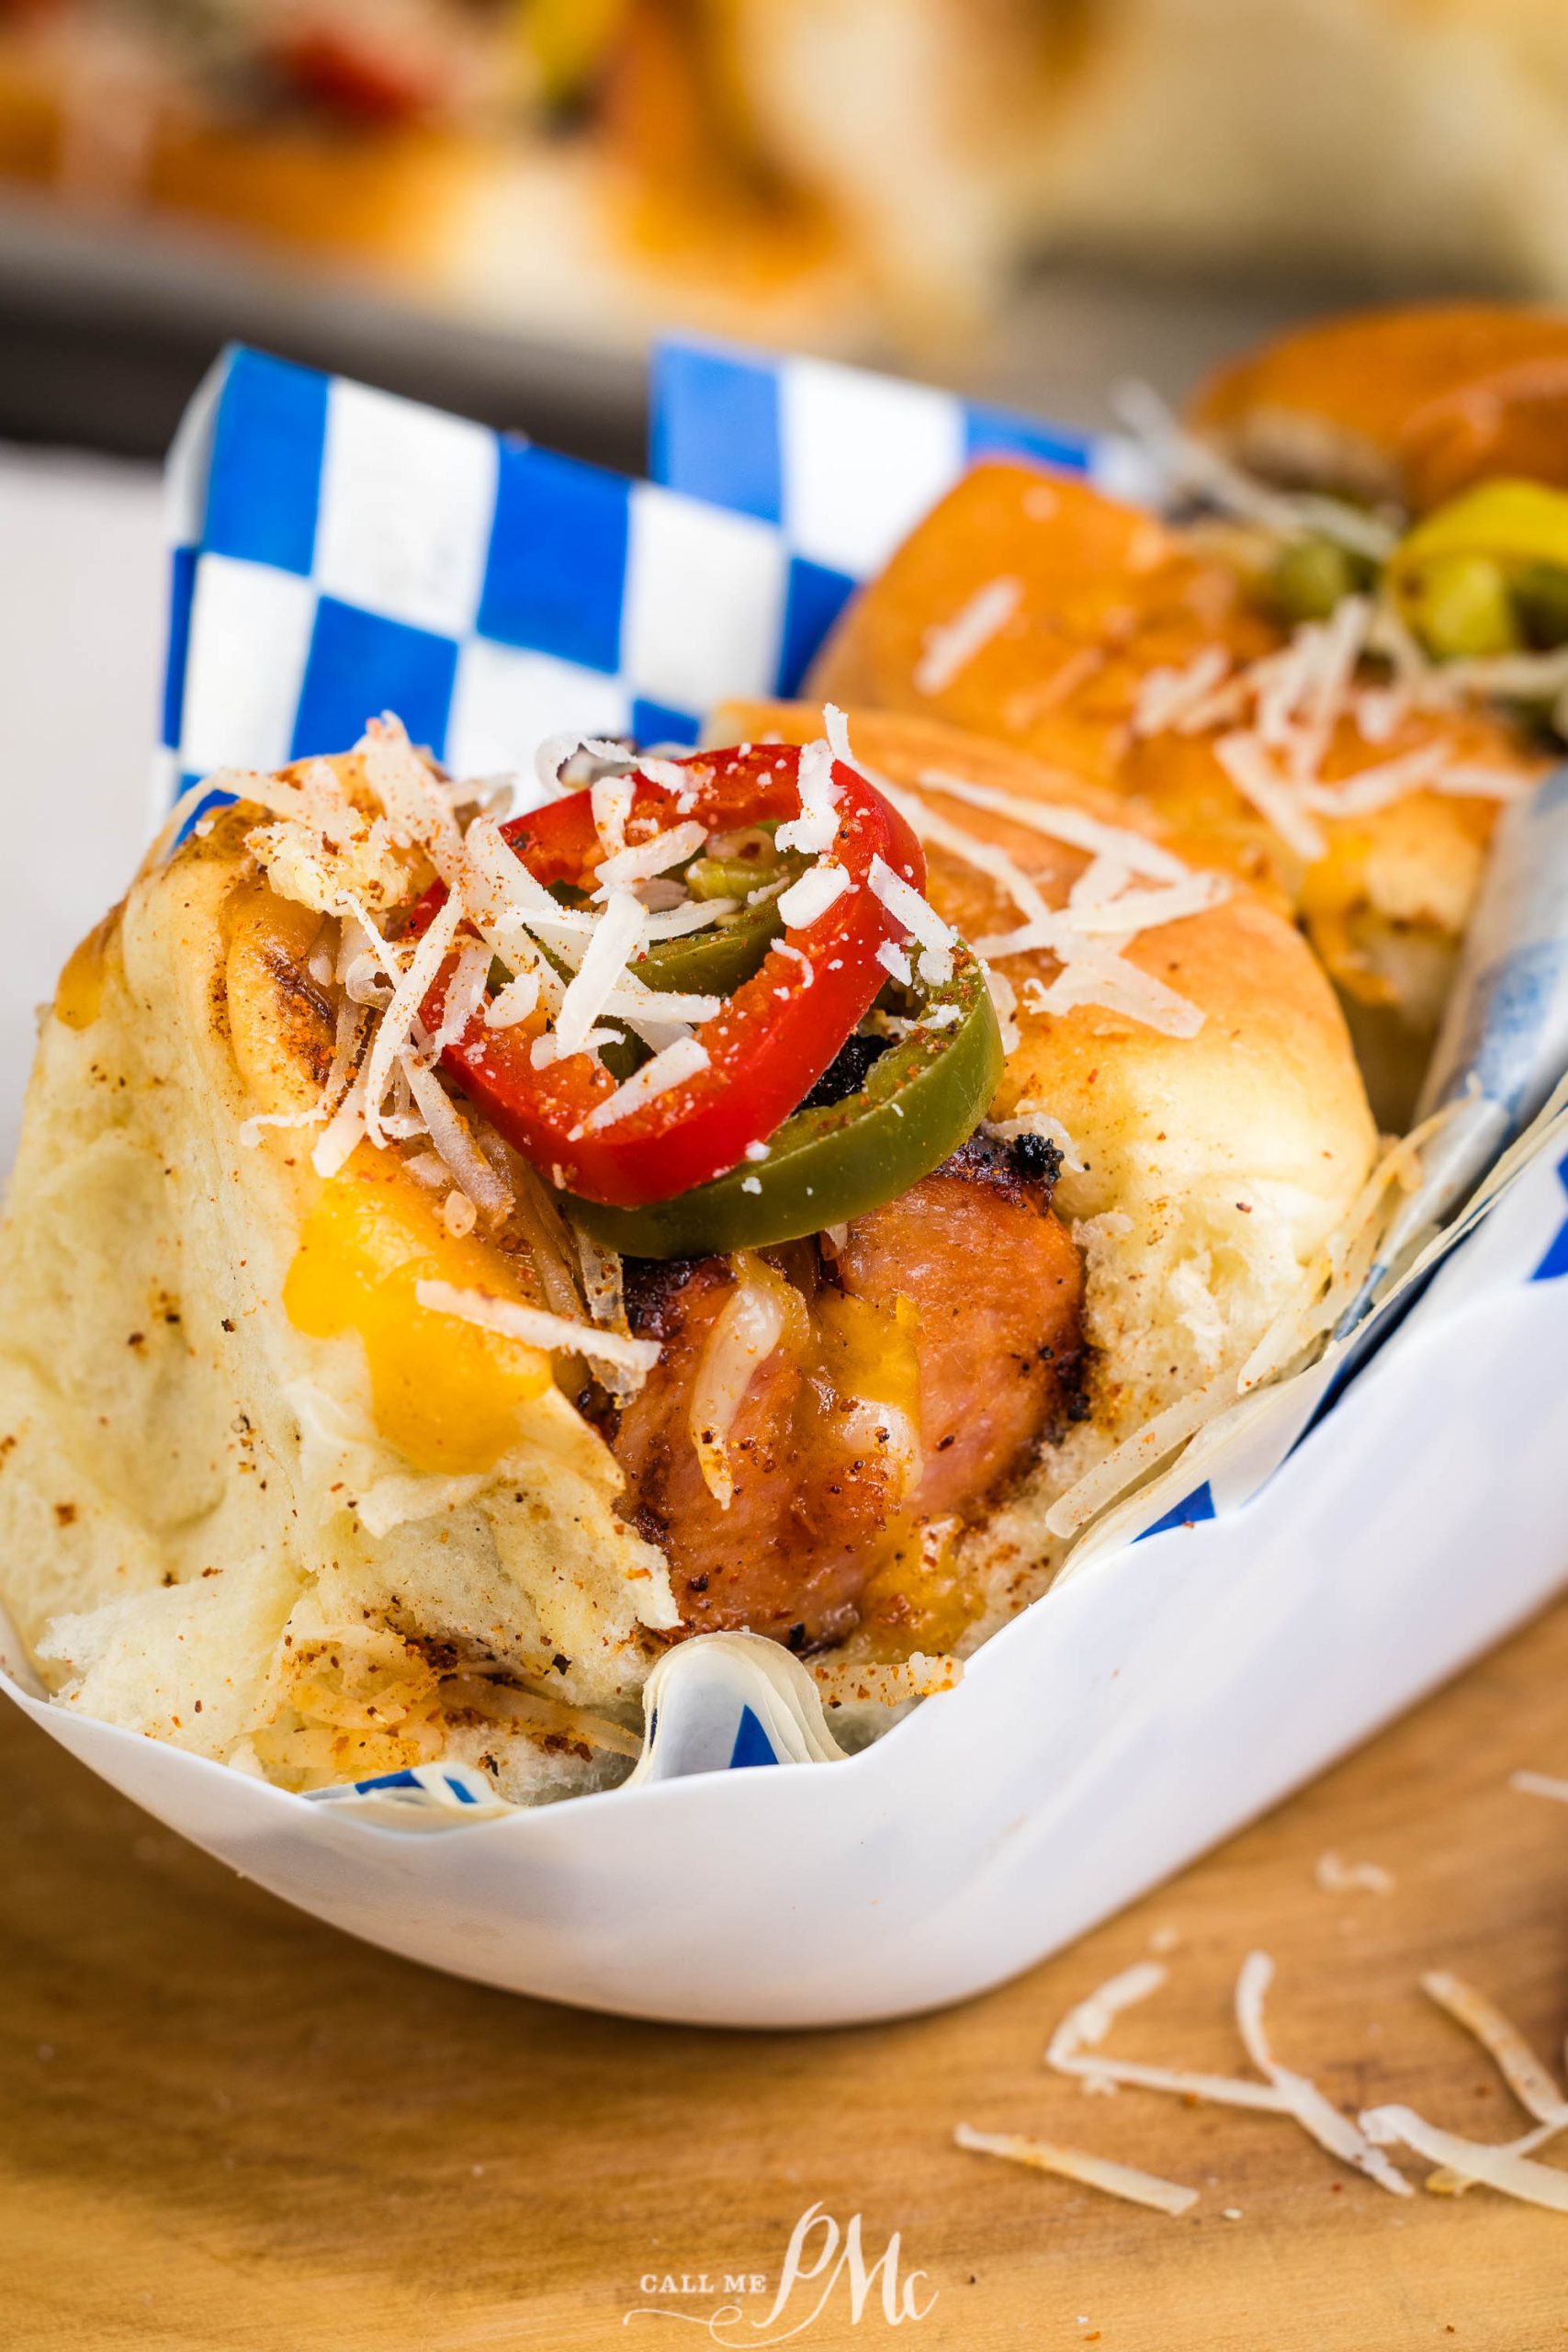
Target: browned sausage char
784,1559
998,1287
991,1286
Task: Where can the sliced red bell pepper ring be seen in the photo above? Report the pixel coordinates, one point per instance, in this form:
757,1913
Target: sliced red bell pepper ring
766,1047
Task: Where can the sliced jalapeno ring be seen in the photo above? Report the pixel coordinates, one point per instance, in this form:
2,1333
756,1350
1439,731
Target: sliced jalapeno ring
712,962
1310,577
920,1100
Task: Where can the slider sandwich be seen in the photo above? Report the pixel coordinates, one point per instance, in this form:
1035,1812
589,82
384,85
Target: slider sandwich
1321,690
452,1260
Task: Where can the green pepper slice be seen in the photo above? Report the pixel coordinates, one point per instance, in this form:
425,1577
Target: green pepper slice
715,961
1310,577
703,962
922,1099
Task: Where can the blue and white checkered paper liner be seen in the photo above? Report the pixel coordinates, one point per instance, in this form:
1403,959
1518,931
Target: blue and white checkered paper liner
728,1702
421,1796
840,462
337,551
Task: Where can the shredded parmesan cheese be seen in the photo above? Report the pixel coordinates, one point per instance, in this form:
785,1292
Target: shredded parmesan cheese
504,901
536,1328
505,1701
1075,2046
458,1214
470,1170
747,1329
1189,464
1072,827
692,914
610,798
836,727
816,829
1102,880
1539,1784
949,646
343,1131
930,826
418,813
396,1026
251,1129
918,918
1502,2168
1504,2044
1166,696
1285,709
1246,762
465,997
807,899
603,1285
1336,1877
615,939
1086,2026
556,752
512,1003
1077,934
1077,2164
667,1071
1333,2131
1126,913
1129,1461
672,847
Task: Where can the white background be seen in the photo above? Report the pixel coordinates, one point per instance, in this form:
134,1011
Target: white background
82,611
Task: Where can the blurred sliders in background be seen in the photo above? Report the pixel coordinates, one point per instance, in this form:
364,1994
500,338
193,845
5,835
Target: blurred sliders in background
494,203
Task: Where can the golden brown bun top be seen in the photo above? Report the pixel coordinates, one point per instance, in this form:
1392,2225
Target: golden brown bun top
1105,594
1412,404
1267,1095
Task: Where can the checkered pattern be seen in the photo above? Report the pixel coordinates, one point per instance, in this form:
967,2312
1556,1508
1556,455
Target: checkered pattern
339,552
1555,1265
841,463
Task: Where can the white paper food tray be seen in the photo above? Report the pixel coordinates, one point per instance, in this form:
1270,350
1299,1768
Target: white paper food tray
1144,1707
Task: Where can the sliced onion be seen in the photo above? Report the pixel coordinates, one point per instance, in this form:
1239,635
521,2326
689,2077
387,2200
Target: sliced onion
750,1326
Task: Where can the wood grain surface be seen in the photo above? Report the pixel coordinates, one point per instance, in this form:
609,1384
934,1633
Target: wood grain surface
226,2126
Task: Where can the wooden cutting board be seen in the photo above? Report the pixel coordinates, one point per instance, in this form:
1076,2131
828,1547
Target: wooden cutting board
226,2126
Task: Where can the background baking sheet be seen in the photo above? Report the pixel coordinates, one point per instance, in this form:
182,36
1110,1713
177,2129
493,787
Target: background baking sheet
107,330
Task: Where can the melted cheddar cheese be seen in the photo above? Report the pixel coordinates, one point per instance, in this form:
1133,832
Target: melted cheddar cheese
446,1393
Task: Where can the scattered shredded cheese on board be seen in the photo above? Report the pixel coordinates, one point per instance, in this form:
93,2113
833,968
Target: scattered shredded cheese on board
1077,2164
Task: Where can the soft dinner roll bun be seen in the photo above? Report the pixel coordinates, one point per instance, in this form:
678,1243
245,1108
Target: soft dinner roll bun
215,1528
1213,1167
1408,404
1032,609
256,1499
